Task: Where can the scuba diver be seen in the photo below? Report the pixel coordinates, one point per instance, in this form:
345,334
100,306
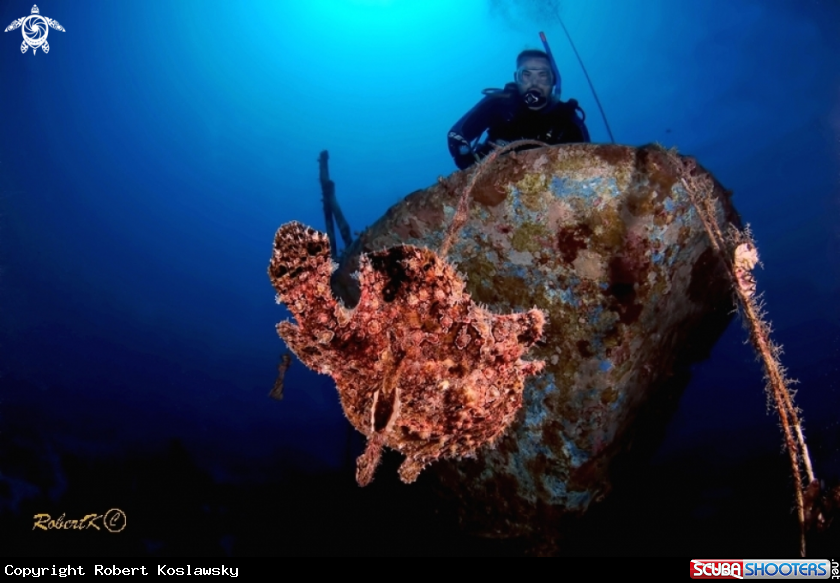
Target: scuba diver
530,108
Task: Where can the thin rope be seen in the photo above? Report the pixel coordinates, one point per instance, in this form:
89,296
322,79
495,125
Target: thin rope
586,73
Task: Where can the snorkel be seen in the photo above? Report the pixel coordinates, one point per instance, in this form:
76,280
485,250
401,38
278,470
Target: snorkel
554,70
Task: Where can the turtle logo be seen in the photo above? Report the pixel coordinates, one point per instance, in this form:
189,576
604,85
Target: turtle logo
35,29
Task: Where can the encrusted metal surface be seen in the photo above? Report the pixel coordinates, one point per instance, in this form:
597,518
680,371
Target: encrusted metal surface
604,240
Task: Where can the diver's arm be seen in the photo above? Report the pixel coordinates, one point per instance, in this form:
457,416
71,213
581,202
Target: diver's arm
568,124
575,132
578,118
468,128
580,125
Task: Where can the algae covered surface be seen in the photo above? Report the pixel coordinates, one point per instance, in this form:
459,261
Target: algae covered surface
605,241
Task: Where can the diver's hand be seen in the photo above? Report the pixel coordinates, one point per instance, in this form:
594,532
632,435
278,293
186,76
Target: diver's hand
458,144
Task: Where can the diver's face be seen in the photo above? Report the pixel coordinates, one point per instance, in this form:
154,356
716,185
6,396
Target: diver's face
534,74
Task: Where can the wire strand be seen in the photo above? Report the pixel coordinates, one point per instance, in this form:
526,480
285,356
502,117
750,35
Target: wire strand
586,73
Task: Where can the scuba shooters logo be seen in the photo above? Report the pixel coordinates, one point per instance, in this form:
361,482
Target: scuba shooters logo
35,29
166,570
791,569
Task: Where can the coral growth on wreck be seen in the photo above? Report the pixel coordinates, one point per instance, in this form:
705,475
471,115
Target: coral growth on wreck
605,241
419,366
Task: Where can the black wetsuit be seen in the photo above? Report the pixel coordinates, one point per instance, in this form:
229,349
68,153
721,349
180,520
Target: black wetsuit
506,118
